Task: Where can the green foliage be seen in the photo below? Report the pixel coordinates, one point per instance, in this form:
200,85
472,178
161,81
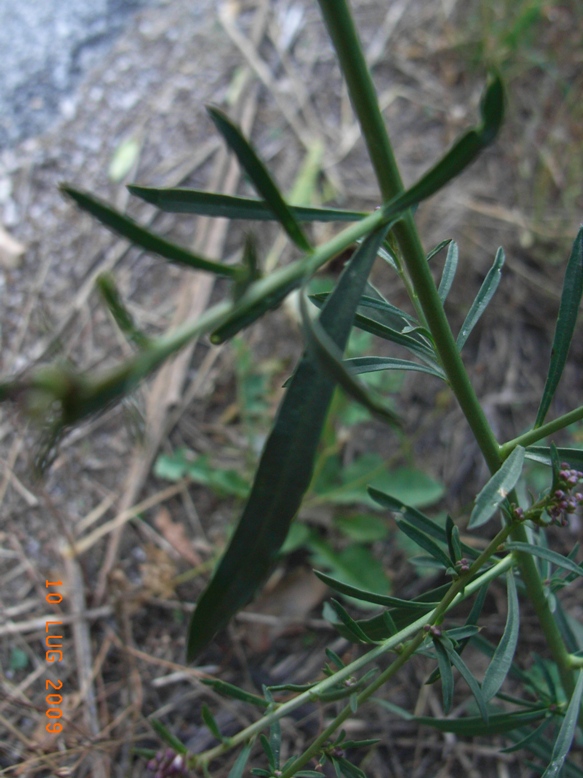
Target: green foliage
301,463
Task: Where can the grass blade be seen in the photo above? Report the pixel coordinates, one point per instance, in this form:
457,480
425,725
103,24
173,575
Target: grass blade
482,299
566,321
502,660
285,468
122,225
566,733
260,176
231,207
496,490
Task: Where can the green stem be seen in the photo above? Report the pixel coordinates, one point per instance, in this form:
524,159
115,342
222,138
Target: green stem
459,591
532,436
362,94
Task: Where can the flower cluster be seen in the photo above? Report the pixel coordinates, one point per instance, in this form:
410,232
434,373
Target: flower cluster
168,763
558,504
564,501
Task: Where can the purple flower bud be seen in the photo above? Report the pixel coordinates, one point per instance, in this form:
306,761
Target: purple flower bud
559,494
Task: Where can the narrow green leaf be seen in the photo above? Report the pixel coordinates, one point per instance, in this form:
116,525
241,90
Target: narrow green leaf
275,742
361,365
462,153
566,321
496,490
502,660
482,299
259,175
418,519
167,736
414,344
542,454
266,745
535,734
140,236
472,726
447,682
545,553
373,597
449,270
466,674
229,690
567,731
121,315
345,769
440,246
453,540
350,624
231,207
238,767
388,314
330,358
285,468
425,542
210,722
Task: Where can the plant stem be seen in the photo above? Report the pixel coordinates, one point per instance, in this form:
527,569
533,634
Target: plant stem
532,436
363,97
457,593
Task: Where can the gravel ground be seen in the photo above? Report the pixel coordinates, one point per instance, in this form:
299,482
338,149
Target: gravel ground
47,46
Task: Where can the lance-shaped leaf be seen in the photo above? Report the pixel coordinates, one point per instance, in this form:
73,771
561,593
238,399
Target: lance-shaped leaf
168,737
418,519
259,175
542,454
466,674
123,318
545,553
472,726
361,365
445,671
229,690
373,597
501,662
496,490
567,732
435,251
233,207
128,228
449,270
329,357
424,541
285,468
485,294
413,341
568,311
462,153
238,769
388,314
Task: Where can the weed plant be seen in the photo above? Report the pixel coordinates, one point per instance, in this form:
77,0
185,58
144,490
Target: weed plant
545,718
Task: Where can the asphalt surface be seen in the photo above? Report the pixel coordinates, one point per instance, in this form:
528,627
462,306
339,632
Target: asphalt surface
45,48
